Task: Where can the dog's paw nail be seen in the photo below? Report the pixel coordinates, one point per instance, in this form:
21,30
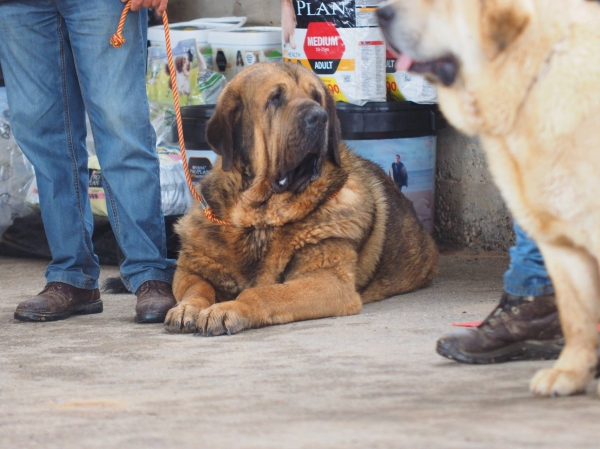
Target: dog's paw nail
208,332
177,324
188,324
228,331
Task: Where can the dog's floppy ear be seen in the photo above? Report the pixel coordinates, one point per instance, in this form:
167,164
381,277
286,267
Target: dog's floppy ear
334,131
502,21
220,127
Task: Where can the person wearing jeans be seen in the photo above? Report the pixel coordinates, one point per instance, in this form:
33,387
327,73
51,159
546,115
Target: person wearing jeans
524,325
58,64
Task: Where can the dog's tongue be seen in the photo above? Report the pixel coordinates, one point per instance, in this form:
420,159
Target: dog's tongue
404,62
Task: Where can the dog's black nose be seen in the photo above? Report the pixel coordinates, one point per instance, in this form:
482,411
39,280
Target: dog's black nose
385,15
315,116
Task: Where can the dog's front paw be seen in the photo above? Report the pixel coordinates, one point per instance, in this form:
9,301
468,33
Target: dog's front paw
554,382
183,317
225,318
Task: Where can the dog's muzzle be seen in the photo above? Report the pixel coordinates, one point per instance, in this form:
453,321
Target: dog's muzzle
304,159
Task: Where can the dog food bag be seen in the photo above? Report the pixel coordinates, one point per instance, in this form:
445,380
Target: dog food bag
16,173
187,67
175,195
341,42
95,190
211,84
405,86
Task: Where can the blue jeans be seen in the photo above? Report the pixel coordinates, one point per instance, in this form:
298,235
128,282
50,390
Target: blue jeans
58,64
526,275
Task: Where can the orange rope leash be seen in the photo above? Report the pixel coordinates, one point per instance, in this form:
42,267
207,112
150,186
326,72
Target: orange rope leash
118,40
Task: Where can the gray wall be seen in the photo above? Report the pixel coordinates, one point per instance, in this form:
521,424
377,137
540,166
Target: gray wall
469,210
258,12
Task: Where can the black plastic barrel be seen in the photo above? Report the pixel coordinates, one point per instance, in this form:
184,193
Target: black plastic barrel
386,120
401,138
389,120
194,120
389,133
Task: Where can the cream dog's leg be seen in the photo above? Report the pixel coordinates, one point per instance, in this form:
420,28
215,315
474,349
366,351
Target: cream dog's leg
576,279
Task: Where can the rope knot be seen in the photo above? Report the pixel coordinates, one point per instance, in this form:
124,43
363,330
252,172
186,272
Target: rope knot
117,40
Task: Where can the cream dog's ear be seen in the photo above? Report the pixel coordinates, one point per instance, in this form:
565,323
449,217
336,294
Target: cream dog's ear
502,22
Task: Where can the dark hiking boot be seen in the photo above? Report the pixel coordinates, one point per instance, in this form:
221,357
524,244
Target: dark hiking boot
59,301
155,299
519,328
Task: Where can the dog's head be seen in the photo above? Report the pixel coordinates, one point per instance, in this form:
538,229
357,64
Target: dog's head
180,62
437,38
275,123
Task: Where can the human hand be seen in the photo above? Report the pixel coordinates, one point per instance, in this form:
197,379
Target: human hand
160,5
288,22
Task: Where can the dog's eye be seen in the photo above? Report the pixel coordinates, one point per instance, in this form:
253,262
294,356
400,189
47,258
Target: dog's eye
276,99
316,95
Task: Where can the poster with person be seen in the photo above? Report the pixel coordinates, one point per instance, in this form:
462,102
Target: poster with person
411,165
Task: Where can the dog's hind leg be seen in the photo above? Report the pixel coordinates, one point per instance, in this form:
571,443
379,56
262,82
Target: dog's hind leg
576,279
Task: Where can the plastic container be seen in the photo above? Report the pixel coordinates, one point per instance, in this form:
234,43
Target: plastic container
235,49
197,29
200,156
395,135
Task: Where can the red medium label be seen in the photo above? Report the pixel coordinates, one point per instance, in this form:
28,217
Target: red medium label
323,42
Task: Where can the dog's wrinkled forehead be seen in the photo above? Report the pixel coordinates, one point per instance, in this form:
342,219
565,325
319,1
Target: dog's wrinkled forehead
278,82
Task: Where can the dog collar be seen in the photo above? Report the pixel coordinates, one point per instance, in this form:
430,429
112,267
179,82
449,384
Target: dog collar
210,214
556,48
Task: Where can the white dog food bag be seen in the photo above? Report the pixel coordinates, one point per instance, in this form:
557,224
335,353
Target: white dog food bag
186,60
405,86
341,42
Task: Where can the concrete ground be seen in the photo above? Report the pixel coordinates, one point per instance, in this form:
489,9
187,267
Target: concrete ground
366,381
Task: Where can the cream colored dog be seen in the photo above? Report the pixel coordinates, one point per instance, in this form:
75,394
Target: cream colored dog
524,75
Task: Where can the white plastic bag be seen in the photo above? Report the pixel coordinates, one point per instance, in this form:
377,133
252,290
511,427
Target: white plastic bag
16,172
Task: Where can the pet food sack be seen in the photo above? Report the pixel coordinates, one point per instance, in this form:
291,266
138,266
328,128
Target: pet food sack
405,86
16,172
341,42
175,195
95,190
158,81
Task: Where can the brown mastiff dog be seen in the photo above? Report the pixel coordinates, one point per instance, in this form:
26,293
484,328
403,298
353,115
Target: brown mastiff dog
304,228
524,75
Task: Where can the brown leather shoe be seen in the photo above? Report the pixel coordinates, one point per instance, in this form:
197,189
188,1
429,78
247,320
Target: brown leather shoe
59,301
519,328
155,299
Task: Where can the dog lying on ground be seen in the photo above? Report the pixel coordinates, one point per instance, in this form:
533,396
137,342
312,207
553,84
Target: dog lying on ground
524,76
299,226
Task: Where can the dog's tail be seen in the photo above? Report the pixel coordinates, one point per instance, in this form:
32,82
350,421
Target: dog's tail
114,286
